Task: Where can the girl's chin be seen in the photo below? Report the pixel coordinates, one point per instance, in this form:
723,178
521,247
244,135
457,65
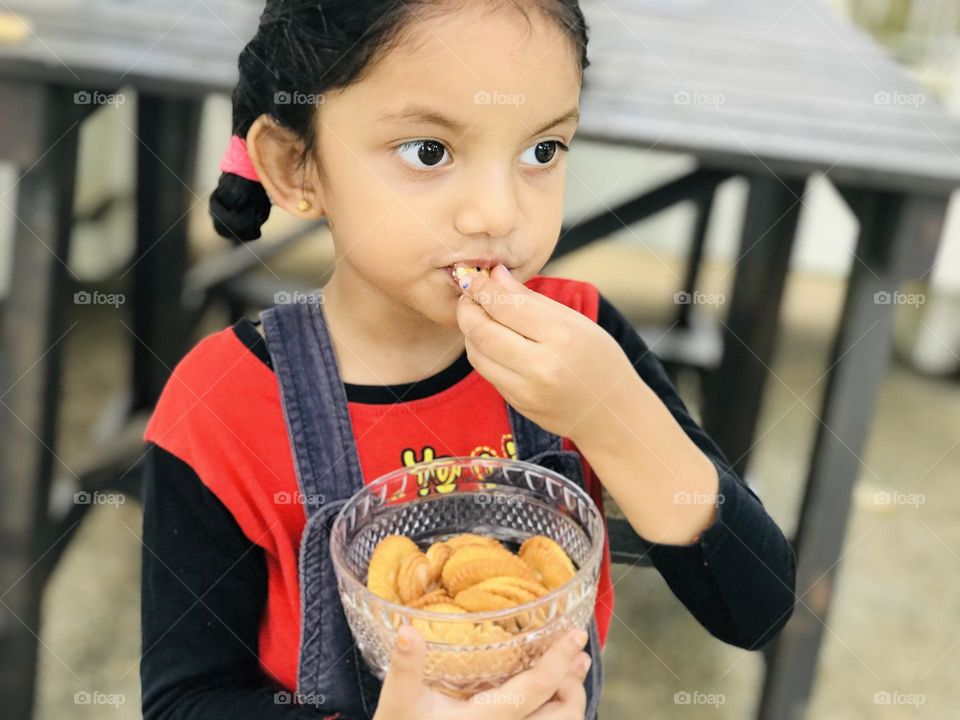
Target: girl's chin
438,305
445,314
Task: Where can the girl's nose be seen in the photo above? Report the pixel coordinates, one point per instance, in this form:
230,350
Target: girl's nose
488,205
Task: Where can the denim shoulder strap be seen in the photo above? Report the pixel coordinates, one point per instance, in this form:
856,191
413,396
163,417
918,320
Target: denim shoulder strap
541,447
314,401
331,673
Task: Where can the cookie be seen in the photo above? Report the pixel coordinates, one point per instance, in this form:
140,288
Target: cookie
415,577
471,564
461,271
436,596
385,563
462,539
548,559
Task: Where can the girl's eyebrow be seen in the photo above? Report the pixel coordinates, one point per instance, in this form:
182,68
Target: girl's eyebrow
569,116
423,114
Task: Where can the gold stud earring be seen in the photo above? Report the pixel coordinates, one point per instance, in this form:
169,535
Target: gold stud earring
303,205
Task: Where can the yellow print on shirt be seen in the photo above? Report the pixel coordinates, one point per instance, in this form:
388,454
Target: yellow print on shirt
508,446
440,480
444,480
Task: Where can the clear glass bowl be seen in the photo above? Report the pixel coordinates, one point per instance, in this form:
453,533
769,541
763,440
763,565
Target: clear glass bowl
506,499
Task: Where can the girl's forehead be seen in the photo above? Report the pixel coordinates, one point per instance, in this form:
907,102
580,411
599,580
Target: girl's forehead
474,47
466,64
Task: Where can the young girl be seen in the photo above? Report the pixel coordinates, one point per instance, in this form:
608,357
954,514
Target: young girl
432,136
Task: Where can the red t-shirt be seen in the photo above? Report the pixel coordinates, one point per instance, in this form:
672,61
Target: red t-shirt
241,452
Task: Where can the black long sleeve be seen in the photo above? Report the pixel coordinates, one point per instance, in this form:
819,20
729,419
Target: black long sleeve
739,578
203,590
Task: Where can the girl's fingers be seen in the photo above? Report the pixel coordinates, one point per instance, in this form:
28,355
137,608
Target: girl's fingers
506,380
536,686
570,700
403,687
511,303
510,349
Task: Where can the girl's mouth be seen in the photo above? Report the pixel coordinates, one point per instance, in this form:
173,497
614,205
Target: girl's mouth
457,271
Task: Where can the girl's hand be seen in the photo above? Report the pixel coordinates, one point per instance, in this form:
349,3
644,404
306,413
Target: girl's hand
551,689
552,363
570,700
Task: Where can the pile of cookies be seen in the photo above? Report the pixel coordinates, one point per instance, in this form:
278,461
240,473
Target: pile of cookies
468,573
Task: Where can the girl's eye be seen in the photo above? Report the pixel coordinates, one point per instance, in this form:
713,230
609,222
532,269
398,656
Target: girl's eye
543,152
421,154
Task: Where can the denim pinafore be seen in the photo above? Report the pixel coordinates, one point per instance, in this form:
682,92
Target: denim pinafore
331,673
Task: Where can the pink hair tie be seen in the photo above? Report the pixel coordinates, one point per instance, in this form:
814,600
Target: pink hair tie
236,160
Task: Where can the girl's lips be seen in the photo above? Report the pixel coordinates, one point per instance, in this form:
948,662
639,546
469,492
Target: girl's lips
449,270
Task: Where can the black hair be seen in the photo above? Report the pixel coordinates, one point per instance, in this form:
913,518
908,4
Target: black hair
304,48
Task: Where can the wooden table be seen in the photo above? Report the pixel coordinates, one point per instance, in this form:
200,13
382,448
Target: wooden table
167,56
771,90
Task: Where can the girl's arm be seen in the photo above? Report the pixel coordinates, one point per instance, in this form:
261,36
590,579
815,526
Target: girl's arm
203,590
738,577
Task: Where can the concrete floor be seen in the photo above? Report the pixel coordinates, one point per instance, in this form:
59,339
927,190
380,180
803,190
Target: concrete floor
894,624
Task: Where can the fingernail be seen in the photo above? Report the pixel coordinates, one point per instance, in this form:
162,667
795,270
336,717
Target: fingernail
503,269
585,664
465,283
580,638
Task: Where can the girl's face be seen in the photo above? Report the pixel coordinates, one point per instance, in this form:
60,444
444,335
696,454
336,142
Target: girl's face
451,148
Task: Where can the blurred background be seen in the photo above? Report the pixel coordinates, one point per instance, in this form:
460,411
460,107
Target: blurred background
890,645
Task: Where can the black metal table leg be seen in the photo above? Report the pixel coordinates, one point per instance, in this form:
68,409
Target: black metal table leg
898,240
168,130
703,204
33,328
733,395
692,185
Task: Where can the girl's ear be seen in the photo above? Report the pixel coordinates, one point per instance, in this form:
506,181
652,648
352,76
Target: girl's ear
275,153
